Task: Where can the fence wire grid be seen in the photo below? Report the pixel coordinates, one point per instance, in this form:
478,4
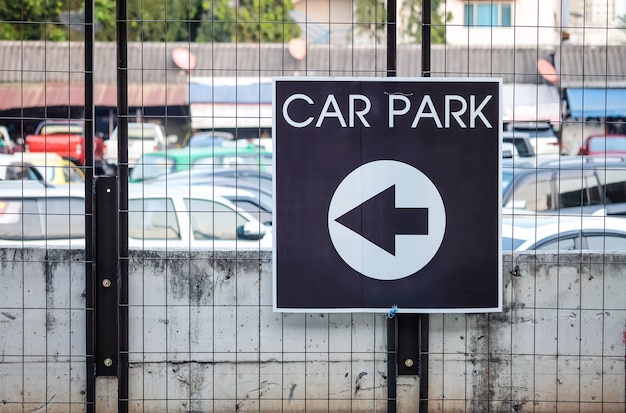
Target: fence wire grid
138,208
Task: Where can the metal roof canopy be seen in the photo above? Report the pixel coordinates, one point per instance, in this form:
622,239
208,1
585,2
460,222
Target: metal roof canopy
15,95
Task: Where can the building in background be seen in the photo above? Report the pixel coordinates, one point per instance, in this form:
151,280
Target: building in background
519,23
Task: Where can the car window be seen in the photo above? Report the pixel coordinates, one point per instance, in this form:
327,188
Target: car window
608,242
575,191
558,244
614,182
533,195
153,219
17,171
72,175
509,243
213,220
42,218
48,172
148,167
254,209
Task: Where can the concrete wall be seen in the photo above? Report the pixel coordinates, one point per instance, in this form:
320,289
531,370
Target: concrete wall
203,337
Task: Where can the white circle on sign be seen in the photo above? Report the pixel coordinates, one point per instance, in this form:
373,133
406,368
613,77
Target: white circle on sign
413,190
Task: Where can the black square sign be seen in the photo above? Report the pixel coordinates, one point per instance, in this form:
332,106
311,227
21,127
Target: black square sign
387,193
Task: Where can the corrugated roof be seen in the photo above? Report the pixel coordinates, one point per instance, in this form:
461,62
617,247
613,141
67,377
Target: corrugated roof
15,95
152,74
592,66
152,62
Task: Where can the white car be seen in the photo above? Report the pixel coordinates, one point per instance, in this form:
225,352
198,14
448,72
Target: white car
198,217
142,138
542,136
36,213
563,233
191,217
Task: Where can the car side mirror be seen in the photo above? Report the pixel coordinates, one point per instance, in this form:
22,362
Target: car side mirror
251,231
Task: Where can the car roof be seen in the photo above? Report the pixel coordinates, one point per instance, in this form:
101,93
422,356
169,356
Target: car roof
36,157
141,124
144,190
31,188
560,162
206,170
535,228
191,154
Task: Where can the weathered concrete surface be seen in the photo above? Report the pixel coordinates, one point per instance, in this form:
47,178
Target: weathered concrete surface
204,338
558,344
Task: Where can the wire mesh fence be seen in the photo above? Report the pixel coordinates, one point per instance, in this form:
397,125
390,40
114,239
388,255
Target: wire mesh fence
138,208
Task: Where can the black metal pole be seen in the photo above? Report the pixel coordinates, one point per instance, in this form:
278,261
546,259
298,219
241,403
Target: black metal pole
90,391
424,318
122,173
426,45
391,39
392,359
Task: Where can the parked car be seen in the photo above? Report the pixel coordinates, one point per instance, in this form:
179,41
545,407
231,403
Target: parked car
611,144
12,169
198,217
249,195
542,137
35,213
52,167
563,233
158,163
252,176
578,184
521,141
65,137
142,138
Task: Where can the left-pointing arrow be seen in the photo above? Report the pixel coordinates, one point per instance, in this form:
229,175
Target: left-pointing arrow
379,221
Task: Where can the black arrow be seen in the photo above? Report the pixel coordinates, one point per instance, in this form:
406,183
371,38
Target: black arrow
379,221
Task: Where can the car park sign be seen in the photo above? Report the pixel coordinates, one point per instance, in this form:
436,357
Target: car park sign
387,194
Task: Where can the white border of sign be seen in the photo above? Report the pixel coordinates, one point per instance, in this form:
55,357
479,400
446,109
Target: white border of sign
275,223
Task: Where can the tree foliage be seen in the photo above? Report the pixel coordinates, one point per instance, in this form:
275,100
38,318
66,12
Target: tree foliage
371,16
412,14
152,20
370,19
262,21
31,20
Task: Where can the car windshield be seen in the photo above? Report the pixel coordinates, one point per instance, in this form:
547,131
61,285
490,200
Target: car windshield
141,133
536,131
602,144
149,167
74,129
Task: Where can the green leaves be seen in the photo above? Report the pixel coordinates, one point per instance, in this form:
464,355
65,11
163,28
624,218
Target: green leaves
152,20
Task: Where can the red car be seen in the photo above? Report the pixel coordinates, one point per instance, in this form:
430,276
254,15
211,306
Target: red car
66,138
611,144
